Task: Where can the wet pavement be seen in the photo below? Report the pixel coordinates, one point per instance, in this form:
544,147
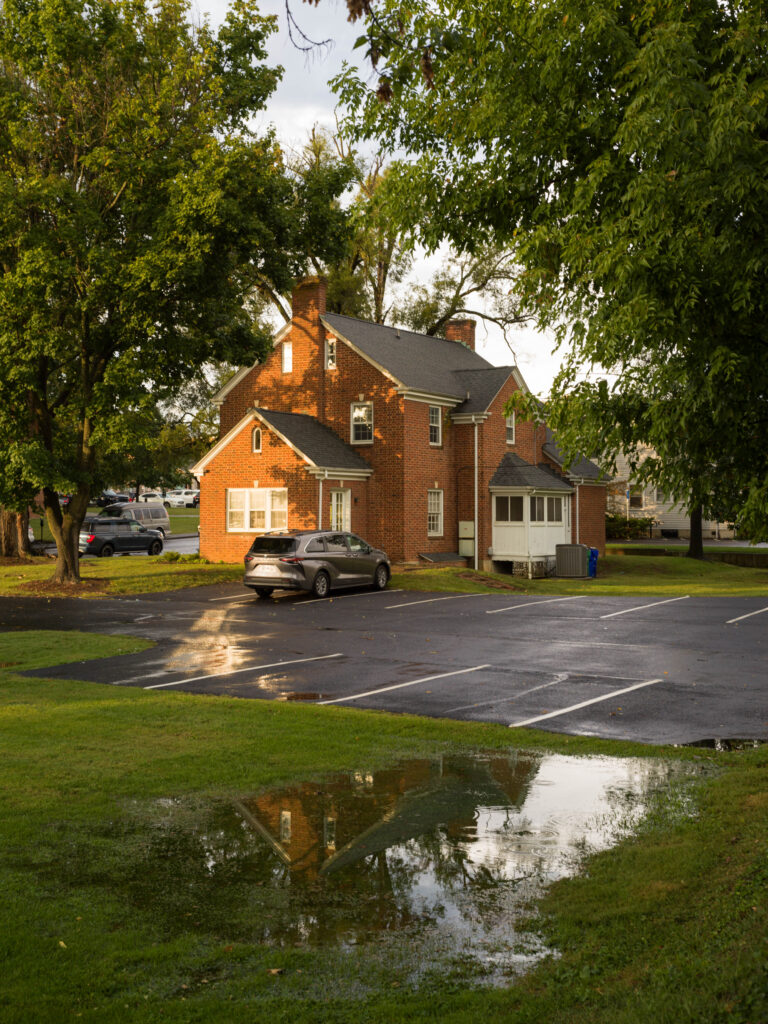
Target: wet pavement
418,871
652,669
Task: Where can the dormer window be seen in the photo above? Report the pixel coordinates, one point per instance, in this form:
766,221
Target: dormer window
287,356
330,353
510,421
256,439
435,425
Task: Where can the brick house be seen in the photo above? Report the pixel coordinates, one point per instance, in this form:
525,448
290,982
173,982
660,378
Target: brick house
396,436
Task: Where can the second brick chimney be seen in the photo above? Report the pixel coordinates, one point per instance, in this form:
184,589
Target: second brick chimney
461,330
308,302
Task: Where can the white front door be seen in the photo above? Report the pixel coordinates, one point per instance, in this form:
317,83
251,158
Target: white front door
340,505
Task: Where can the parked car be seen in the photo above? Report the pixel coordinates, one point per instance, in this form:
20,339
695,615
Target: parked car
182,498
150,496
153,516
105,536
109,497
314,560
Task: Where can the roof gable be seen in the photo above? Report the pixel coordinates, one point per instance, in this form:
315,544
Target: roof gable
415,361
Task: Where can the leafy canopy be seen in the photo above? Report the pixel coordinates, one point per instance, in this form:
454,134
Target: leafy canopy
622,148
138,208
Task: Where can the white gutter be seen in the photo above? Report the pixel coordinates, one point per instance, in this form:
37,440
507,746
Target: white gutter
477,539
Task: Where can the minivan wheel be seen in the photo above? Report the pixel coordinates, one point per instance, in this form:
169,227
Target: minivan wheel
321,585
155,547
166,504
380,577
263,591
106,551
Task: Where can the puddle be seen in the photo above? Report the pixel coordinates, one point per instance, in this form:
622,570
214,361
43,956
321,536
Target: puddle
417,872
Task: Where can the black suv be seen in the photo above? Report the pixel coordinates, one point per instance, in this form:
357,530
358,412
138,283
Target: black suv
106,536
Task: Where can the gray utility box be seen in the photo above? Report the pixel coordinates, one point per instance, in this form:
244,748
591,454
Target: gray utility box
571,559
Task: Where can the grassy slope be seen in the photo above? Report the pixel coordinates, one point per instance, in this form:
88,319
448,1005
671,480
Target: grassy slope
669,927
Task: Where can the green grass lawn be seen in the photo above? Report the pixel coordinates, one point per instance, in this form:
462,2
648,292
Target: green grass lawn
617,574
670,926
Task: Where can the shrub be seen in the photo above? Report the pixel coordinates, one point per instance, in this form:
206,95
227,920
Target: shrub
618,527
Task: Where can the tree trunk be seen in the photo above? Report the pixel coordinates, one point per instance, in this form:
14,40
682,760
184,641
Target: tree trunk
9,547
696,542
65,528
22,533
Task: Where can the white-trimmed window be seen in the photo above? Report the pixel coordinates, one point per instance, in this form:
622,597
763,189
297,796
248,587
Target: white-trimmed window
287,356
330,353
509,508
361,423
636,497
554,510
257,508
434,513
538,509
435,425
256,439
510,426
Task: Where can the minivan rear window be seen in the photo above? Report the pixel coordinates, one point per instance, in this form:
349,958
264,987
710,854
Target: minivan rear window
273,546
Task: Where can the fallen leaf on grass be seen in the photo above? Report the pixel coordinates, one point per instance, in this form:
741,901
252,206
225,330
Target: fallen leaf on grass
274,970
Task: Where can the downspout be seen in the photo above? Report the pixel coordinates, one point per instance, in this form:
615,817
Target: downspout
477,513
576,497
320,501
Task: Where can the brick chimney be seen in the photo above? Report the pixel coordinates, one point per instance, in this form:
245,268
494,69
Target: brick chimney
461,330
308,302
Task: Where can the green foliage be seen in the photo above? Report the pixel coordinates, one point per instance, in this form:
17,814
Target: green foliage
619,527
138,208
622,148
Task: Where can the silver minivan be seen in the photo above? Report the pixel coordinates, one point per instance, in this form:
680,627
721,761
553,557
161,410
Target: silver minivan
314,560
150,514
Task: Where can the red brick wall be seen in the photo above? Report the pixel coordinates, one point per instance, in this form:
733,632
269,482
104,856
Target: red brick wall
592,500
427,467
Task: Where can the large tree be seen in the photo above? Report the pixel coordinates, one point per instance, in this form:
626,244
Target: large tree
137,210
624,148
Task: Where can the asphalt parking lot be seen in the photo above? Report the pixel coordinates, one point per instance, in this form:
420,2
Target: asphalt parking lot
655,670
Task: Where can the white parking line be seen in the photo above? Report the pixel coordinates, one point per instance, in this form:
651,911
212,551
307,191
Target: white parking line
747,616
431,600
530,604
343,597
234,597
399,686
584,703
248,668
560,678
639,608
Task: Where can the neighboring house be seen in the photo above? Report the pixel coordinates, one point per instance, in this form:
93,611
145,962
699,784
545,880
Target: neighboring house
646,501
397,436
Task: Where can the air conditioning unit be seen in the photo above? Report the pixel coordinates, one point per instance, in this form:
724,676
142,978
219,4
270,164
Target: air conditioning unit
571,559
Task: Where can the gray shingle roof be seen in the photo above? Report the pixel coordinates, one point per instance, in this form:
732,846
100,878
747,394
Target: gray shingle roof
317,442
516,472
581,467
417,361
481,385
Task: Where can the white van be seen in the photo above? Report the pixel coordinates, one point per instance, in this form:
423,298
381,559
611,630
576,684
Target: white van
150,514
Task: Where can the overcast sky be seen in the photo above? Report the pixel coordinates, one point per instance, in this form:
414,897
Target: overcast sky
304,99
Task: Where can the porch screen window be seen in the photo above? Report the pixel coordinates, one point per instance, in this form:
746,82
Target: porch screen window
554,510
509,508
362,423
434,513
537,510
435,425
257,508
510,422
